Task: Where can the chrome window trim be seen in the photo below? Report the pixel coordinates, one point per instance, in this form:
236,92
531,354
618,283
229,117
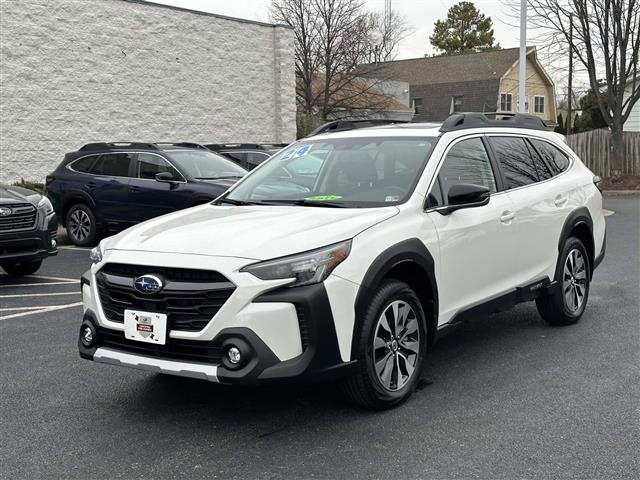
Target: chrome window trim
68,166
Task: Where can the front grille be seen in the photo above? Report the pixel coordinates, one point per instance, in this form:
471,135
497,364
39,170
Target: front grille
174,349
190,297
22,217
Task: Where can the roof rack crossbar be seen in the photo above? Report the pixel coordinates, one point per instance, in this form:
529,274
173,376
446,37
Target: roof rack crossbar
118,146
464,120
183,144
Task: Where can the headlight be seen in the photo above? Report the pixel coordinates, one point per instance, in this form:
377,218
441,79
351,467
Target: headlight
45,204
96,253
306,268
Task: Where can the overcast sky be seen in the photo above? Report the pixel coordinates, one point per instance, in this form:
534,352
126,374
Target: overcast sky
420,14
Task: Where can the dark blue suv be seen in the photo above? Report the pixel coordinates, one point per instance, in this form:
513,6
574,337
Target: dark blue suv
110,186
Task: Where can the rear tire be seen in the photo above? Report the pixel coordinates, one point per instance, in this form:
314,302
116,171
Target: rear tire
21,269
566,304
81,225
390,349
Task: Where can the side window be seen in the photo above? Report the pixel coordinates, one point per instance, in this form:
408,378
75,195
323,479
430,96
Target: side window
557,160
148,165
84,164
541,166
255,158
466,162
113,165
515,160
434,199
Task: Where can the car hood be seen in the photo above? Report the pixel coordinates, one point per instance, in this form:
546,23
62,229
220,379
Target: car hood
253,232
9,195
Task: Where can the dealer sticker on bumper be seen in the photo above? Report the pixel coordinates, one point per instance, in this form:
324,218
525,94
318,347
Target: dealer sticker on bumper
145,326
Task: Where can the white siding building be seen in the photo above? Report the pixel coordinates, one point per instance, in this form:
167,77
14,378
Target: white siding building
633,122
78,71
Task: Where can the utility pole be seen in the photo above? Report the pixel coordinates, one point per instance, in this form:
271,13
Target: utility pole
522,107
570,99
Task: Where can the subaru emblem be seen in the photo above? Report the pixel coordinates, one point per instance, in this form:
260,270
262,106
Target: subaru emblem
5,212
148,284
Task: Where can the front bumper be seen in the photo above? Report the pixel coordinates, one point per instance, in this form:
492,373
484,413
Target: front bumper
30,245
284,334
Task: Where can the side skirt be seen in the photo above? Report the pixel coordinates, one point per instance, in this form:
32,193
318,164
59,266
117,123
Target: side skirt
505,301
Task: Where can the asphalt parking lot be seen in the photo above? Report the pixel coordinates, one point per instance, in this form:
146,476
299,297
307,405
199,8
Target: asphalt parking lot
504,397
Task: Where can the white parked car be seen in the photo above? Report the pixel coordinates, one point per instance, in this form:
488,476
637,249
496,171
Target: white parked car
346,253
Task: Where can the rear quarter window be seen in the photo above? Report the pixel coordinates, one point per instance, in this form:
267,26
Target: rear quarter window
557,160
84,164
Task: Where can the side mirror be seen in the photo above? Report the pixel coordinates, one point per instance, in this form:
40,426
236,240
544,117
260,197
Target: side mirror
165,177
465,195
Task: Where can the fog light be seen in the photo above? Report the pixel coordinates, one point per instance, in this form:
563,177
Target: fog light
53,244
87,335
234,355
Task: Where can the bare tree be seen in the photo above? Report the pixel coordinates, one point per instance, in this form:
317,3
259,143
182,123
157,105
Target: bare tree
606,41
333,38
384,34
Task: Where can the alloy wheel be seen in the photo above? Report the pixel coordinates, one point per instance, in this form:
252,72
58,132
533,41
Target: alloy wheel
396,345
79,225
574,280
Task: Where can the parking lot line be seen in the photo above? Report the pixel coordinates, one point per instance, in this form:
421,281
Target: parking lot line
12,309
59,279
66,282
21,295
81,249
41,310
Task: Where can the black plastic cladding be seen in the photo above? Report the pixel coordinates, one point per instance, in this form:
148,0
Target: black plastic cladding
461,121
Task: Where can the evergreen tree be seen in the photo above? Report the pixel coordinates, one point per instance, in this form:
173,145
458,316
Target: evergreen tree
465,30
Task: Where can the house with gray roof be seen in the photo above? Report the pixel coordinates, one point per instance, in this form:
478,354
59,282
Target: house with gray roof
475,82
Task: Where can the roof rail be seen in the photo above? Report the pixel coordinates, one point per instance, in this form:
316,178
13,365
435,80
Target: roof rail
240,146
183,144
119,146
344,125
463,120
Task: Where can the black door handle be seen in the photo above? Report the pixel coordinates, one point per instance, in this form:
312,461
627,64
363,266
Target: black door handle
134,189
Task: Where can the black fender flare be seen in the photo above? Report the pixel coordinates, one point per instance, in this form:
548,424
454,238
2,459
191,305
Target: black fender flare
76,196
412,251
580,216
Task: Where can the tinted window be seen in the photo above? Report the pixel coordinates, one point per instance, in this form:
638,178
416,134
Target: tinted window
256,158
466,162
205,165
557,160
541,167
113,164
84,164
515,160
148,165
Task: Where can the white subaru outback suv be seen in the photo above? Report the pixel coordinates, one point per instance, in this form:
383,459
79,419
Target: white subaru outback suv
345,254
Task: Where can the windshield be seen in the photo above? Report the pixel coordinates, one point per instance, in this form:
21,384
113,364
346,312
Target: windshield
346,172
206,165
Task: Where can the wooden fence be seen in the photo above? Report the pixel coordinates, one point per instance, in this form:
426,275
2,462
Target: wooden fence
594,148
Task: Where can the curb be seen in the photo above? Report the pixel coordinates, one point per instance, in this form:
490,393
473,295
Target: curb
622,193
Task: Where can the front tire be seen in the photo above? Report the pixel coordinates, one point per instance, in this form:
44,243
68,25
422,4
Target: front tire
22,269
568,301
390,348
81,225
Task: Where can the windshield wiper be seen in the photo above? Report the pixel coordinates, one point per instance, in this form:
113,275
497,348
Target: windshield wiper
218,177
232,202
308,203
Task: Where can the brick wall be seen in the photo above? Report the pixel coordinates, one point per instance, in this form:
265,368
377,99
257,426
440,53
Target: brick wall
78,71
